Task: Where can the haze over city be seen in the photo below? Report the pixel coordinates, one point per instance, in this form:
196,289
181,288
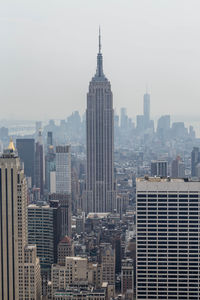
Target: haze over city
48,55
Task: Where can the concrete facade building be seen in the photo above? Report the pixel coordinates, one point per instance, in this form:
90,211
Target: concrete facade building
63,170
167,239
100,195
127,277
74,272
19,265
65,248
108,266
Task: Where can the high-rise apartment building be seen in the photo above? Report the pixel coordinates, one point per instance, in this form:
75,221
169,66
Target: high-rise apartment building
63,170
26,152
19,265
41,232
168,239
100,142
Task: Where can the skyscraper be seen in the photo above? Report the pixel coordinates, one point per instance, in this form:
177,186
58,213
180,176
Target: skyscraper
167,239
159,168
26,152
195,159
63,170
39,164
100,196
19,266
146,110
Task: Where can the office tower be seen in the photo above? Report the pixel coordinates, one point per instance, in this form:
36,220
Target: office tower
43,232
50,169
38,127
63,170
163,126
146,110
127,278
192,133
124,119
195,159
140,123
64,201
168,263
179,130
39,164
26,152
177,168
65,248
49,138
100,142
19,266
159,168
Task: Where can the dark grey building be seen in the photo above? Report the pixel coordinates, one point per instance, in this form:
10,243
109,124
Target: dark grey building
159,168
195,159
26,152
100,195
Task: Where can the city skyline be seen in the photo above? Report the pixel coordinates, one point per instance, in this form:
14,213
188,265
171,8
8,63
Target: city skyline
44,58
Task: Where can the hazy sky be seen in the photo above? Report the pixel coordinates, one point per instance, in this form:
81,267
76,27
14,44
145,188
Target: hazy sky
48,55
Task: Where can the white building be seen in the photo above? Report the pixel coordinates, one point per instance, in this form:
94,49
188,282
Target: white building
63,170
168,236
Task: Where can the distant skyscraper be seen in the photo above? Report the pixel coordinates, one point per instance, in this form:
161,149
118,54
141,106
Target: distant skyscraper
19,266
124,119
146,110
159,168
64,201
26,152
177,168
63,170
140,123
50,162
39,164
168,262
100,142
163,126
195,159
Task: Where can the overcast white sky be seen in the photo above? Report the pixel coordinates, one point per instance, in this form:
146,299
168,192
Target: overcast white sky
48,55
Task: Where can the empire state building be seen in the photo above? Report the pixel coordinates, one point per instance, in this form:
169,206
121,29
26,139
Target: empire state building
100,195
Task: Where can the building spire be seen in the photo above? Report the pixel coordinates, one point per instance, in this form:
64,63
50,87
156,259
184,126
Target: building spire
99,39
99,72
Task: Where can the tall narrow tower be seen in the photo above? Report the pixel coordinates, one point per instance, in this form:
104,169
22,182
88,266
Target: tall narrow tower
146,110
100,142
